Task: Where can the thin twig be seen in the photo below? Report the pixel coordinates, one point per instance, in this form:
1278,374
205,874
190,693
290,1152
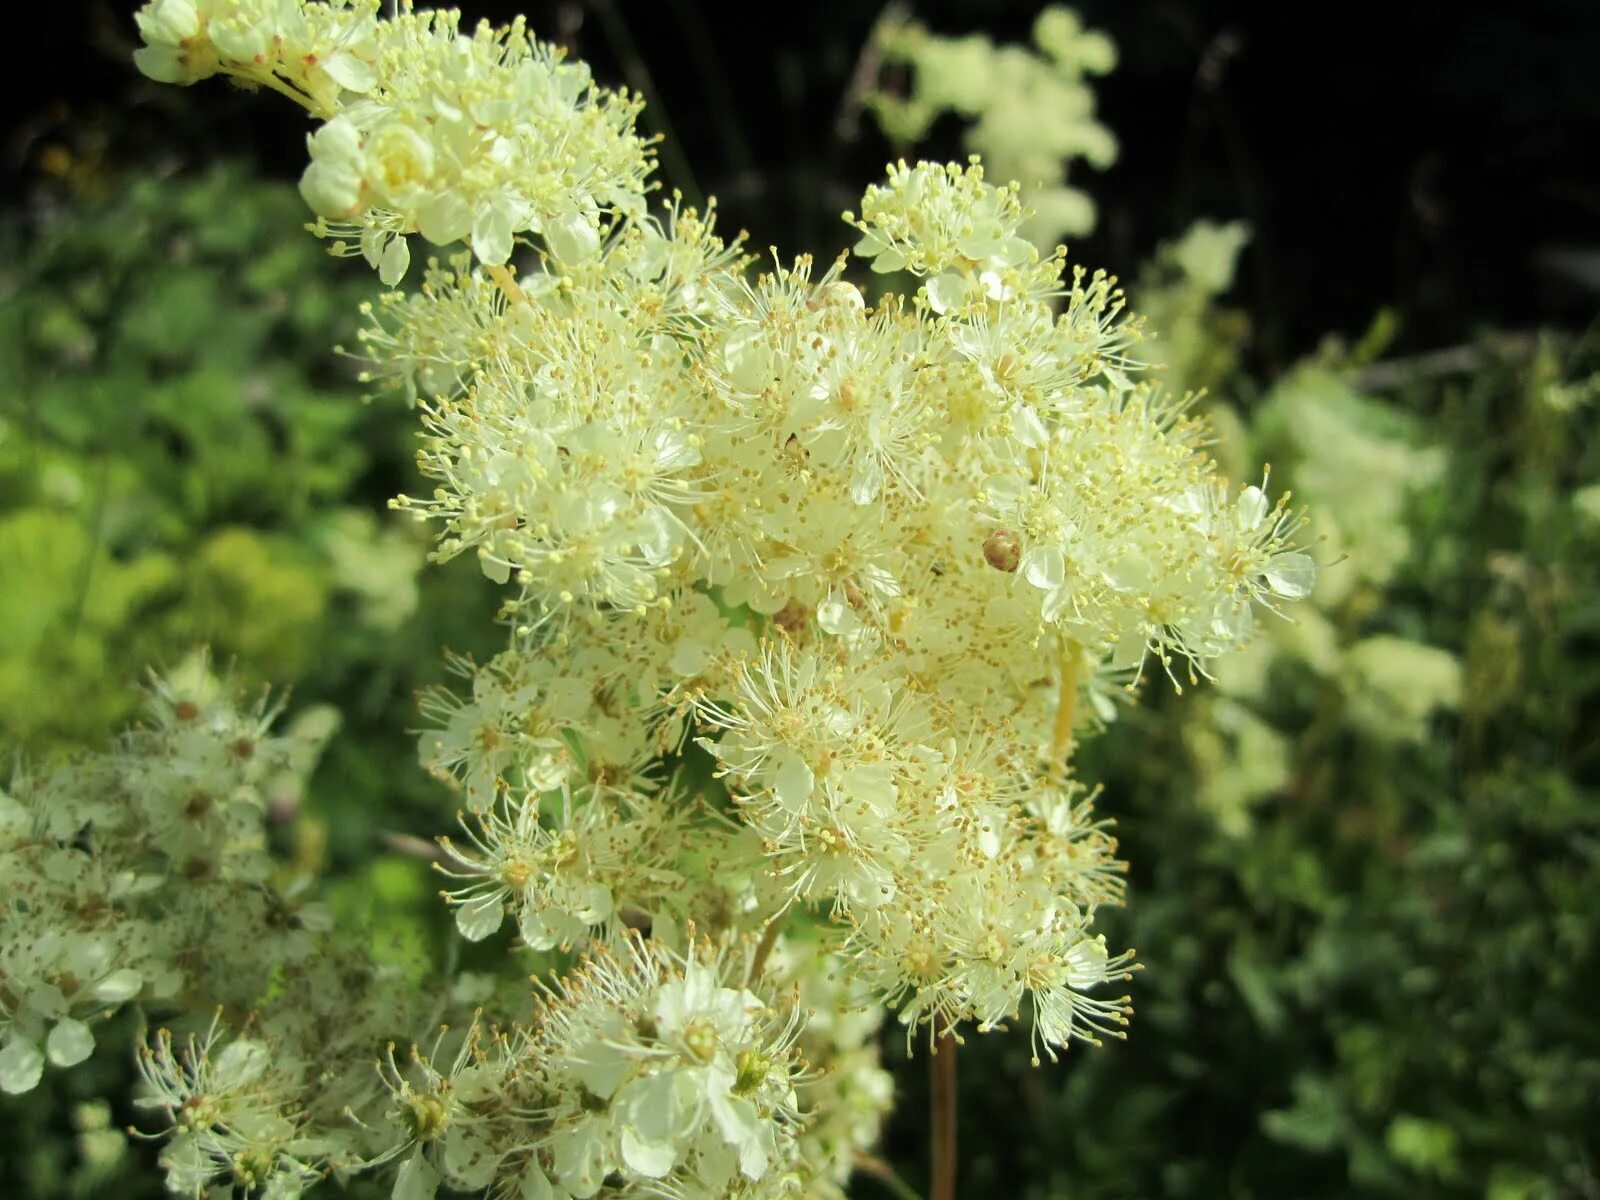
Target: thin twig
97,538
507,282
1452,360
874,1167
864,75
411,847
640,80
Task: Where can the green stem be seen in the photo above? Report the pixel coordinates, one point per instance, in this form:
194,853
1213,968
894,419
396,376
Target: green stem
1061,741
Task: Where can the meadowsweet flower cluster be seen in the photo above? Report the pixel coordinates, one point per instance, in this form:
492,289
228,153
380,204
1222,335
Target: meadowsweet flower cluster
120,867
142,876
477,136
808,598
642,1073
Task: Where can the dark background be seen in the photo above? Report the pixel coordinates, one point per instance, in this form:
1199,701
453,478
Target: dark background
1437,159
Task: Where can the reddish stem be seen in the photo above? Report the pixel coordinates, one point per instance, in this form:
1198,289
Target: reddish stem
943,1068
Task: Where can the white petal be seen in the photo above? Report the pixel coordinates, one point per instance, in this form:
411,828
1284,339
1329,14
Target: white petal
995,287
650,1159
1233,621
444,218
21,1064
46,1000
793,783
240,1064
1252,507
495,569
538,932
594,903
164,64
468,1161
1026,426
1291,574
572,238
240,41
837,617
394,260
119,986
947,292
416,1179
580,1158
491,236
189,1168
888,260
870,245
872,784
535,1184
690,656
1086,963
69,1043
660,1108
979,245
478,918
14,819
736,1118
1130,649
753,1157
169,21
600,1068
1044,566
339,140
350,72
988,838
331,189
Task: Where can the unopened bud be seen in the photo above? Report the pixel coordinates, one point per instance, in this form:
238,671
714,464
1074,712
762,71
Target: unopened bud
1002,550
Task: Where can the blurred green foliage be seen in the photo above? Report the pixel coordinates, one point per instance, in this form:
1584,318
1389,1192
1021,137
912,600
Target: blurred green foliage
184,461
172,432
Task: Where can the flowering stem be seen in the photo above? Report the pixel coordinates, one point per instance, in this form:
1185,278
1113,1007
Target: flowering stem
507,282
769,939
268,80
1066,711
943,1069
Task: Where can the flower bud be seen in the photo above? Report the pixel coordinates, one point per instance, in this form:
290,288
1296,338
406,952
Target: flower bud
1002,550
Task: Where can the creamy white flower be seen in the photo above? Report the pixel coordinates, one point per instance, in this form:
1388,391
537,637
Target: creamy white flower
662,1068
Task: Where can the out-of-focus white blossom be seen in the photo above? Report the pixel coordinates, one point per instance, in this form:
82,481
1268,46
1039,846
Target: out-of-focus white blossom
118,863
1031,108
